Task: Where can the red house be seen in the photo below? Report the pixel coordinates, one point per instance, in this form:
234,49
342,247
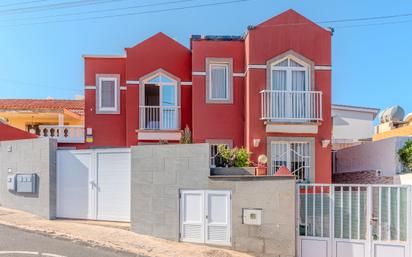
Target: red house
269,90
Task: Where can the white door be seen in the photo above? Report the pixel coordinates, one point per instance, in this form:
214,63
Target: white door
93,184
218,217
192,216
205,216
113,186
73,188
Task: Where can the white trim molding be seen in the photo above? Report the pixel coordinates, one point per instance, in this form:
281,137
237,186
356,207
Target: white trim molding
292,128
123,88
132,82
159,135
90,87
257,66
239,74
199,73
323,67
186,83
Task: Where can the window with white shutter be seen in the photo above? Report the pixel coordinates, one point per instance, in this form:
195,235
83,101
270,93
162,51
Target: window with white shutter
107,94
219,88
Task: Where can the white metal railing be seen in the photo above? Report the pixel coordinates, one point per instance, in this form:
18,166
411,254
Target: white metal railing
354,211
159,117
292,106
63,134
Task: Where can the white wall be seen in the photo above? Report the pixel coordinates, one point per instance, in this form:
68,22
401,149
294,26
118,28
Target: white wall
377,155
352,125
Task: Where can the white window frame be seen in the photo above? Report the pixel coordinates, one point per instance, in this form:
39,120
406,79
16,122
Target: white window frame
227,63
175,82
108,110
226,68
161,84
289,69
309,176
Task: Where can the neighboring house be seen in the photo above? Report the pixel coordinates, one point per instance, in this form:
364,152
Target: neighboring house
393,125
60,119
372,162
351,125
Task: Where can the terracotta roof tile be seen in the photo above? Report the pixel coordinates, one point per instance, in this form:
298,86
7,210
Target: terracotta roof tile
76,106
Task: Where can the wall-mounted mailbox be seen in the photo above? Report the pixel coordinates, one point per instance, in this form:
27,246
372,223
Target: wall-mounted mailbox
26,183
11,182
252,216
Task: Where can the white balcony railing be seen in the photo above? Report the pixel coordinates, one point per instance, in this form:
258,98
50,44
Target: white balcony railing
291,106
159,117
63,134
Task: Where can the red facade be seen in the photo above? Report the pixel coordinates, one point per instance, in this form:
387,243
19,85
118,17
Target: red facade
281,64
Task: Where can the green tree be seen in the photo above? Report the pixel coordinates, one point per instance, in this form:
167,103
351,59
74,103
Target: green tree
405,155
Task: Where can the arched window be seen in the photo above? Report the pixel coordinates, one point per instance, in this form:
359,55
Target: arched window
159,101
289,74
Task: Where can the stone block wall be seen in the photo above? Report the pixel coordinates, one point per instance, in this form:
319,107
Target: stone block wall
30,156
159,172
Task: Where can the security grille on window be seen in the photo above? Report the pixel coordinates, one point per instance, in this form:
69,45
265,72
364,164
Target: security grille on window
219,82
293,155
107,95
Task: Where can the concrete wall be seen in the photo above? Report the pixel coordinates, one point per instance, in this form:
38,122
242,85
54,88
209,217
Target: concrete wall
276,197
377,155
159,172
30,156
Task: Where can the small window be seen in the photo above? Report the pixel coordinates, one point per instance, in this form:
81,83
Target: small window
107,95
219,80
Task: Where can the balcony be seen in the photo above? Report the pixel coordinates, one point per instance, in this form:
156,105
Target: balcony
291,106
63,134
291,111
159,117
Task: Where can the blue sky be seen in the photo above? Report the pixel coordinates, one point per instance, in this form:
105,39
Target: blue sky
371,64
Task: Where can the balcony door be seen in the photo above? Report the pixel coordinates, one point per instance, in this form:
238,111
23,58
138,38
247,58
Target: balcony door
160,108
290,83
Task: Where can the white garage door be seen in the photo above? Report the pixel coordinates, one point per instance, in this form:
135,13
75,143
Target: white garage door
205,216
93,184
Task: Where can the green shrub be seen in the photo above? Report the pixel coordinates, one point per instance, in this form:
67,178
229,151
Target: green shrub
242,157
227,157
405,155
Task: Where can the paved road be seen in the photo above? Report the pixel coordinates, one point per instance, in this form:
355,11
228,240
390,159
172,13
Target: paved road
18,243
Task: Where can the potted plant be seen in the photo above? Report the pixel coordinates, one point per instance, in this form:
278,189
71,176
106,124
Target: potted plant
232,161
261,169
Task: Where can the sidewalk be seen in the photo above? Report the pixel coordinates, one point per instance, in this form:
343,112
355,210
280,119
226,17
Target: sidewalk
117,238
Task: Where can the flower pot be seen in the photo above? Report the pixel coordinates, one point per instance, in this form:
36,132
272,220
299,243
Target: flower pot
261,171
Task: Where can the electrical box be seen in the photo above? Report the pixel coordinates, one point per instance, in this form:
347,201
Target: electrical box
252,216
26,183
11,182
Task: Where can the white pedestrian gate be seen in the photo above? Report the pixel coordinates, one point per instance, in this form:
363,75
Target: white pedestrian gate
94,184
205,216
353,220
